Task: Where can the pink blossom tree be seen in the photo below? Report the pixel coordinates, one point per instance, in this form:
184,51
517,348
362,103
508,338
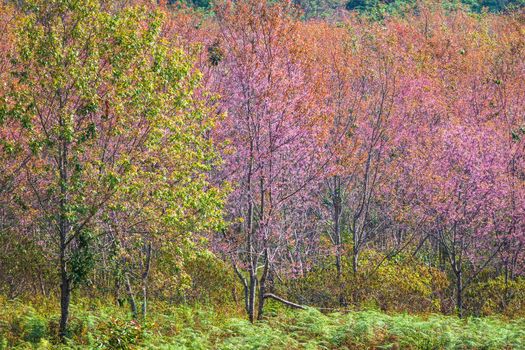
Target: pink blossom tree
274,156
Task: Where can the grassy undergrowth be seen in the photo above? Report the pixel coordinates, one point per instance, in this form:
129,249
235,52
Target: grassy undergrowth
98,326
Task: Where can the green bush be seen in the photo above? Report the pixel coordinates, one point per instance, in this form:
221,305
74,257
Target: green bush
119,334
495,296
34,328
390,284
211,280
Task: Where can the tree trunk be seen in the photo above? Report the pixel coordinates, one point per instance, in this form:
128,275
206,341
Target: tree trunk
336,201
355,261
116,292
284,301
506,294
247,298
262,286
459,293
246,289
65,297
145,276
252,285
337,204
64,227
131,298
144,301
355,246
251,297
260,306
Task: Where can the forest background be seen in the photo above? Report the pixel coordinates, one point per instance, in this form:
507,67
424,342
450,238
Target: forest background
166,167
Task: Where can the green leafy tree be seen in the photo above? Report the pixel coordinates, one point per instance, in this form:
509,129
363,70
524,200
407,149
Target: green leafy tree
319,8
378,9
104,112
204,4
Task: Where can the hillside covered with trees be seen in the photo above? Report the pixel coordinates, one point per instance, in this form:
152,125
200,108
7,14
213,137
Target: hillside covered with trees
375,8
259,174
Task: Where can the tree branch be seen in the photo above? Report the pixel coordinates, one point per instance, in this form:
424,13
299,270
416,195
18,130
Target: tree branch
284,301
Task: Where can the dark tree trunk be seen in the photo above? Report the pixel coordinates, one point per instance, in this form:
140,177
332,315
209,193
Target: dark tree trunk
459,293
64,227
145,276
507,294
262,286
116,292
337,206
336,202
131,298
65,297
260,306
252,284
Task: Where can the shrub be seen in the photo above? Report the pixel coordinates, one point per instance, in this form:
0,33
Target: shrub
212,280
119,334
495,296
34,328
391,284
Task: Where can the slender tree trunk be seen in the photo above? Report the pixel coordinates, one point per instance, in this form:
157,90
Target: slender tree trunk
506,294
355,261
251,297
355,246
338,262
116,291
459,293
355,256
262,286
252,285
65,295
337,225
131,298
144,301
260,306
145,276
262,281
337,206
246,296
64,226
42,285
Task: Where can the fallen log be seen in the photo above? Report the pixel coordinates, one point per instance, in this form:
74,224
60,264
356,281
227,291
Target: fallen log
284,301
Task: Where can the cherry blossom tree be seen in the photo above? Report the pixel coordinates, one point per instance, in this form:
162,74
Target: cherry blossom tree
271,110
